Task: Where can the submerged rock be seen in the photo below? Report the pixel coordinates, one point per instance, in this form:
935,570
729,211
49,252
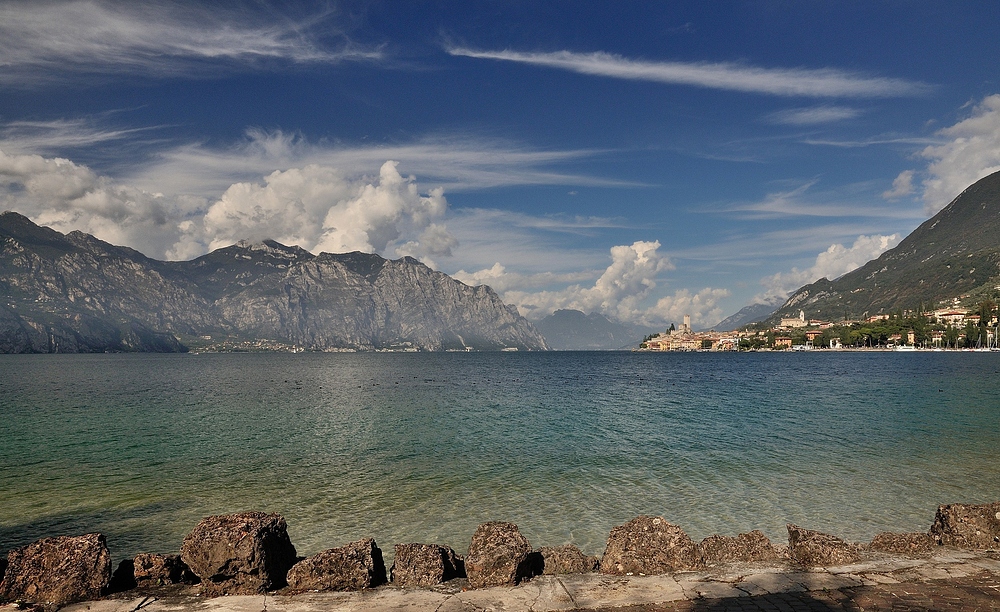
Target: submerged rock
239,554
566,559
813,548
498,556
753,547
903,543
968,525
351,567
58,570
425,565
648,545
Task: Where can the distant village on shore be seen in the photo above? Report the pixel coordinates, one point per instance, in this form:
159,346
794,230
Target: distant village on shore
950,328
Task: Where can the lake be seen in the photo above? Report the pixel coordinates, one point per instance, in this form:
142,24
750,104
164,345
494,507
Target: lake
424,447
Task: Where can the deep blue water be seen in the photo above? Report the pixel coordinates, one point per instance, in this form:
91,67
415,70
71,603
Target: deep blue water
424,447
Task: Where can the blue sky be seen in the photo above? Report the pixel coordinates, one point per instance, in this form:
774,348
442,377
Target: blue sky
645,160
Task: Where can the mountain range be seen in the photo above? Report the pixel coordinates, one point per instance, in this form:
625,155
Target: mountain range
75,293
572,330
955,253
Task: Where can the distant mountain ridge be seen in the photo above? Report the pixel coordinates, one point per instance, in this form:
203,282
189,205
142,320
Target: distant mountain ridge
75,293
747,315
954,253
572,330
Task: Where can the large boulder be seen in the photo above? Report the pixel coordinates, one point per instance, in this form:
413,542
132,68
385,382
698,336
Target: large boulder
498,556
903,543
968,525
58,570
566,559
351,567
425,565
648,545
813,548
239,554
753,547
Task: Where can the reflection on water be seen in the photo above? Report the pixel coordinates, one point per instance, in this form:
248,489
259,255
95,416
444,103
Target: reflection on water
424,447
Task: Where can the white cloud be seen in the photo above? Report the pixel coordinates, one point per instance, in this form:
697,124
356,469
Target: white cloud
621,290
823,82
902,186
795,203
813,115
66,196
502,280
51,41
971,153
42,137
316,207
831,263
456,164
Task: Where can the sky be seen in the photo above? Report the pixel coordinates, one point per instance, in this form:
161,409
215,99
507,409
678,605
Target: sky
643,160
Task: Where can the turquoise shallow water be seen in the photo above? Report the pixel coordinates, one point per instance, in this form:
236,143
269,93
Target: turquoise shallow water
424,447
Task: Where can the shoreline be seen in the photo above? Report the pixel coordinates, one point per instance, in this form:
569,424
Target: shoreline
898,580
230,562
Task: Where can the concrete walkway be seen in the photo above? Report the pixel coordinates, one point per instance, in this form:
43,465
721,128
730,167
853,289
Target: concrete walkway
950,579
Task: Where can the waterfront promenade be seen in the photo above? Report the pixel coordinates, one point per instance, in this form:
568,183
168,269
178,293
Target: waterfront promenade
950,579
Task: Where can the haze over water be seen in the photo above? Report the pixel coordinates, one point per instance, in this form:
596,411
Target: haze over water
424,447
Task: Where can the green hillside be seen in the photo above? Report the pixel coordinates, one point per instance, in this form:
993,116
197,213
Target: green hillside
956,253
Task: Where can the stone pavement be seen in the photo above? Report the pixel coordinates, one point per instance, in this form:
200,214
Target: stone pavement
951,579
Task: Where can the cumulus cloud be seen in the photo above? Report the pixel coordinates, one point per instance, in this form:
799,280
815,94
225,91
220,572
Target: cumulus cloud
621,291
51,41
823,82
813,115
317,207
831,263
902,186
972,151
66,196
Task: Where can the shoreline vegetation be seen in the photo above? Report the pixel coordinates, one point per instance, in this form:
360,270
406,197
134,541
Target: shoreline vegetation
250,553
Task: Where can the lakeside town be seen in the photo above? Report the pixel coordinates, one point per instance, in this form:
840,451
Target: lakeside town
951,328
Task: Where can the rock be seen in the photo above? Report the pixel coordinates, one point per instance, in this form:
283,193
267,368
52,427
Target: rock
58,570
648,545
351,567
753,547
498,556
239,554
903,543
425,565
566,559
150,569
812,548
968,525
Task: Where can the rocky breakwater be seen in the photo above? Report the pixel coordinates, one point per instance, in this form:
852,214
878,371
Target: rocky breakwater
249,553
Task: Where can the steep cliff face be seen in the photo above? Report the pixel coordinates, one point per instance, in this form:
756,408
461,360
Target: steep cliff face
366,302
75,293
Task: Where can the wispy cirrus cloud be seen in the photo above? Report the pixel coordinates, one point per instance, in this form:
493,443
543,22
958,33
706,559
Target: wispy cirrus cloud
732,76
58,135
48,42
455,163
796,203
814,115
